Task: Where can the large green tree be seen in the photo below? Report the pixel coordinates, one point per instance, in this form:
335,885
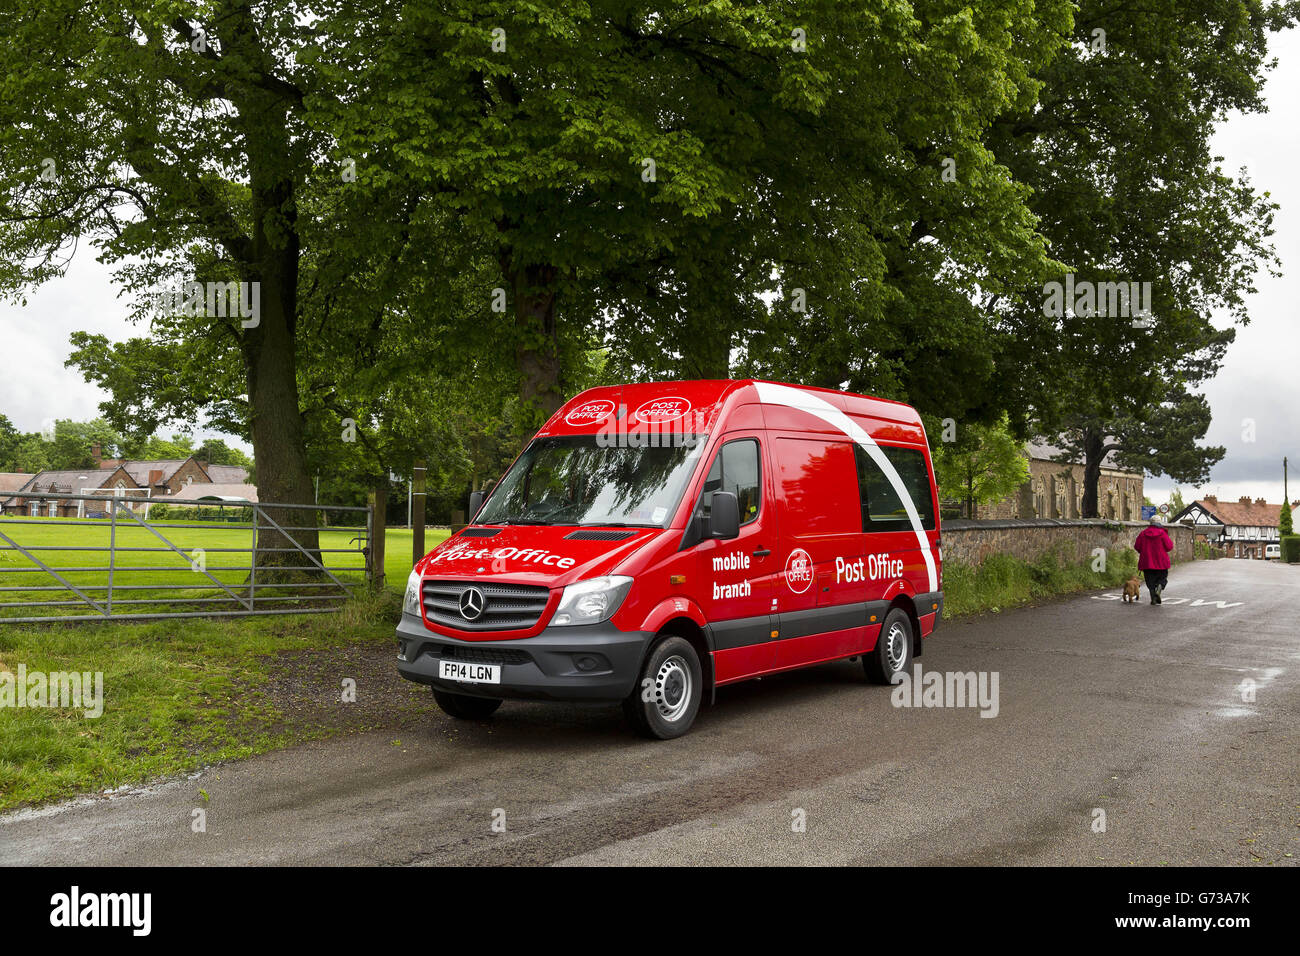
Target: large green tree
664,169
177,137
1127,189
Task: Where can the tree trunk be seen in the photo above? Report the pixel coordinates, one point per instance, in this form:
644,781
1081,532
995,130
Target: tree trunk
270,351
537,346
705,343
1094,450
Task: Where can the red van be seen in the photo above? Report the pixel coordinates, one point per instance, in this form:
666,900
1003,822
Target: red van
657,541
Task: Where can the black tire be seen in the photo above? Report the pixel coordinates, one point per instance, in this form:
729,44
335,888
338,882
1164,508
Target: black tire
668,691
464,707
893,651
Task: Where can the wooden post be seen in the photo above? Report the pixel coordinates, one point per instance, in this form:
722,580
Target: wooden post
379,524
417,521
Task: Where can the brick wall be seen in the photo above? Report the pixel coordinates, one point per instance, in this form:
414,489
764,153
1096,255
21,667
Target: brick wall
970,542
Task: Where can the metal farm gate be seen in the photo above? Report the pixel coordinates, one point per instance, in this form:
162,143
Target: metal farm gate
112,561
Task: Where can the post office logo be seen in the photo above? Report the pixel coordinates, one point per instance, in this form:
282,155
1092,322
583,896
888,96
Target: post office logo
799,571
589,413
657,410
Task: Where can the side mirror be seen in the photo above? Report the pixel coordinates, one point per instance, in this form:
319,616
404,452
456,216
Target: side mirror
475,503
724,515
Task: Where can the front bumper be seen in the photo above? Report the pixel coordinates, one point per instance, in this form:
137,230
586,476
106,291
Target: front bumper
586,662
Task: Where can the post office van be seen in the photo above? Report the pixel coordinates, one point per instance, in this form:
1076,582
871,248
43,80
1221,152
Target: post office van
657,541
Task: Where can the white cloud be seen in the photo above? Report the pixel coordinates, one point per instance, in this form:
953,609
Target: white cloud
35,387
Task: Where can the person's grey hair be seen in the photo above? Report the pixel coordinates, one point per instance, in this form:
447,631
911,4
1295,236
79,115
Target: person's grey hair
1153,520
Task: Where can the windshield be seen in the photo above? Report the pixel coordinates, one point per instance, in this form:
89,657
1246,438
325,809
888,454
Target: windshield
581,481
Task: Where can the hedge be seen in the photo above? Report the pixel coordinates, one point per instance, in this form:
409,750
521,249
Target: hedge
1291,548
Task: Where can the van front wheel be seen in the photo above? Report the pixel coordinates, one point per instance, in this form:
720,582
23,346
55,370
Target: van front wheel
465,707
668,691
893,653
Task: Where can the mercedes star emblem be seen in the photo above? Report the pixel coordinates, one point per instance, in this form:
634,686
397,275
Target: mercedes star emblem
472,603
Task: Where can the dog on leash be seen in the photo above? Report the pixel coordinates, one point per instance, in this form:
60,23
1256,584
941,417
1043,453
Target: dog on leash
1131,588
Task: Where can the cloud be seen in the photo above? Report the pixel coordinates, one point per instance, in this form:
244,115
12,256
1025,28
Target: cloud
35,387
1257,383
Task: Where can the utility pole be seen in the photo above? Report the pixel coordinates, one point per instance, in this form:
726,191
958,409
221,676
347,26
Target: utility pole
378,534
417,529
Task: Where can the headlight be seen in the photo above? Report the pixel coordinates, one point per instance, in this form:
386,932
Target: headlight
411,602
593,601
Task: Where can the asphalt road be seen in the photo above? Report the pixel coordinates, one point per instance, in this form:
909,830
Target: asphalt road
1142,712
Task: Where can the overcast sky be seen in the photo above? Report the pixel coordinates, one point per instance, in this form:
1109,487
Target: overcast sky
1257,381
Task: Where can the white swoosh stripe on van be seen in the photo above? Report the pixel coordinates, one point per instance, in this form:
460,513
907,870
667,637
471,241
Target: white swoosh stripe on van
797,398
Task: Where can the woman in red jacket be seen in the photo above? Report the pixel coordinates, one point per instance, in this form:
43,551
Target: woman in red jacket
1153,545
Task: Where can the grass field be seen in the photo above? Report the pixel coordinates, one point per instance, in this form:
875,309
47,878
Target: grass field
177,693
226,551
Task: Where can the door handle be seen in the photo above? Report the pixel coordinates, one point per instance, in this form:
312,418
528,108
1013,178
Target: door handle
762,553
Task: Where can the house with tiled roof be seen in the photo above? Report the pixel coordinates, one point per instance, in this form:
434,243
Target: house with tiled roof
1248,525
11,481
45,494
165,477
227,474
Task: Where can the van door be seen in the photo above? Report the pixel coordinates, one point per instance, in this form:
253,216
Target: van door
821,589
735,576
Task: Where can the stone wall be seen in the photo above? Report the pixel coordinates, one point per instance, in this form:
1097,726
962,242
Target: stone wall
970,542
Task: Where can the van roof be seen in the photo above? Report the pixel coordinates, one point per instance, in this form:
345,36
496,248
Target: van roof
706,399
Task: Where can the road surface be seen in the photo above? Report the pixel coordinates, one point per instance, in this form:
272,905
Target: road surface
1124,734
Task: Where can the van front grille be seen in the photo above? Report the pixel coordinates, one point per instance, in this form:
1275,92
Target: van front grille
505,607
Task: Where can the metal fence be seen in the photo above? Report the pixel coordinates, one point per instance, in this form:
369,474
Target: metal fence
224,559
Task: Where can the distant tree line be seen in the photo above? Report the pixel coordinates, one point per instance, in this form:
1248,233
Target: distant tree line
69,446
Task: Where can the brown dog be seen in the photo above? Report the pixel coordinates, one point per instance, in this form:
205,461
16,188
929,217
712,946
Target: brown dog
1131,588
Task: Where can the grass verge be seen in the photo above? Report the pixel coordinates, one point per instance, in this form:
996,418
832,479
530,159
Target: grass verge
1003,581
181,694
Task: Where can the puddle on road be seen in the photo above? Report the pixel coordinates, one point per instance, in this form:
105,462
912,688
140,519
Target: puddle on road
1253,686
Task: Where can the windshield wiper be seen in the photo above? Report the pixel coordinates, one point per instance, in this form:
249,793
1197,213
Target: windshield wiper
509,520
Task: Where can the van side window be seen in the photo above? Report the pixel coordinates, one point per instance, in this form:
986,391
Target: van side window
817,490
736,469
882,508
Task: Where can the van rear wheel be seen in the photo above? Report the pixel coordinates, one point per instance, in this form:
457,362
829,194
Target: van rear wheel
668,691
893,652
464,707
